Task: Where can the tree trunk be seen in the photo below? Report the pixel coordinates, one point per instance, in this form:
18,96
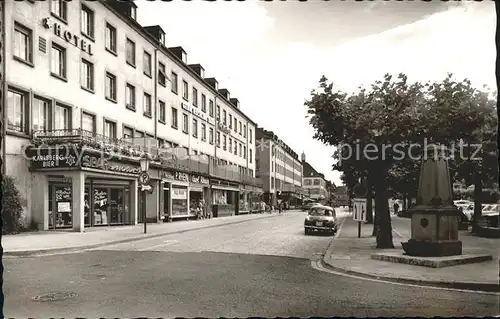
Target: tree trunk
478,190
382,213
369,197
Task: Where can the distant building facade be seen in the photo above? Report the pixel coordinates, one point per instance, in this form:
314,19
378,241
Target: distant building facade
279,169
314,183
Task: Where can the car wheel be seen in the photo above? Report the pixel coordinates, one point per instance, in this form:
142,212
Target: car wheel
306,231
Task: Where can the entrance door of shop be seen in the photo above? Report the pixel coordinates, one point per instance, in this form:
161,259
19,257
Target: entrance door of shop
60,206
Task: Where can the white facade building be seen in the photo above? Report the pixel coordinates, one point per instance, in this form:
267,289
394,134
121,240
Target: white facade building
87,68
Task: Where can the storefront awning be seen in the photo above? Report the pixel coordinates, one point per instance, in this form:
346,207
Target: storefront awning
226,188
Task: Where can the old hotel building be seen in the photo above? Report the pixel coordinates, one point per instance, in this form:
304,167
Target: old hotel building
85,76
278,168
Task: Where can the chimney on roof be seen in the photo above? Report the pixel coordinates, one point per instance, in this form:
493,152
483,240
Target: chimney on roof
198,69
235,102
179,53
157,32
224,93
213,83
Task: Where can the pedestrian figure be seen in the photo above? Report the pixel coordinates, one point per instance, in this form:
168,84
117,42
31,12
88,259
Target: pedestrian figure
396,208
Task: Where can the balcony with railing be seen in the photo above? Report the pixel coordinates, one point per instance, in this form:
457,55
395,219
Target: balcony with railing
134,148
232,173
131,148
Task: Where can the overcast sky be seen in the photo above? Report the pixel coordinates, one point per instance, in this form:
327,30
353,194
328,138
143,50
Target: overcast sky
270,55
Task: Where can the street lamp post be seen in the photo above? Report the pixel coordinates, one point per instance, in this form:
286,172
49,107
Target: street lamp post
144,180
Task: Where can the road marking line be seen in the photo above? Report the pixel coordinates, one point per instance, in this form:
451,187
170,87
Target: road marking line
317,265
165,243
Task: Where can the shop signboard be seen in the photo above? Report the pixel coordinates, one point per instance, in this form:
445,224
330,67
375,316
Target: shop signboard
197,112
195,179
43,158
176,176
68,36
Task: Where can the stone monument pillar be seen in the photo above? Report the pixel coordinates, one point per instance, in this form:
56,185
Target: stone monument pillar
435,220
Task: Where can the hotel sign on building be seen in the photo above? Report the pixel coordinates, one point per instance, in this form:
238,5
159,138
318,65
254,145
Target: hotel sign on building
68,36
196,112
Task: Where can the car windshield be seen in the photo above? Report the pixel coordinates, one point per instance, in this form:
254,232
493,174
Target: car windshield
321,211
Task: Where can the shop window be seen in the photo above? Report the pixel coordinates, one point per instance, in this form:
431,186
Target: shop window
61,212
179,201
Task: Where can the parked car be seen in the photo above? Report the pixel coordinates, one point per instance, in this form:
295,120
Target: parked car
322,219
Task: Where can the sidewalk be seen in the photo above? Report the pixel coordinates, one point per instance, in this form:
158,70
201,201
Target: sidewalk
33,243
349,254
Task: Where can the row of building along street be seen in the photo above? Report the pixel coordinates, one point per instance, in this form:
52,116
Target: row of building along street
90,90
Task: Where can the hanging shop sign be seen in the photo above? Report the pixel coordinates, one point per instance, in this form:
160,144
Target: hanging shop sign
223,128
68,36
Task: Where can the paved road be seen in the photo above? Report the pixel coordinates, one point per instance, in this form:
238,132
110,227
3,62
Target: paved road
259,268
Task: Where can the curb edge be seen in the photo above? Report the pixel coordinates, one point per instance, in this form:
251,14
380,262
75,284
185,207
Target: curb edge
482,287
33,253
